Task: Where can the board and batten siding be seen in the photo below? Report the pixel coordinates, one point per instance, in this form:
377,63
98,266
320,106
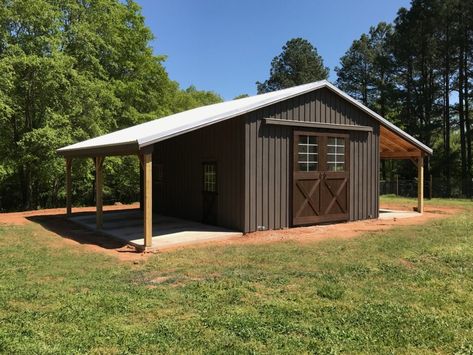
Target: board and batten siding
180,193
268,158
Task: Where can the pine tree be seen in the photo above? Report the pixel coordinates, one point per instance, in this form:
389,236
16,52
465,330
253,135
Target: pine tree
299,63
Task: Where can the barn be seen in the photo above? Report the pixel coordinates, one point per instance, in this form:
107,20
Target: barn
304,155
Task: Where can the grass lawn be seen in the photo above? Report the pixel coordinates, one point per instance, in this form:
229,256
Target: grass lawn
447,202
406,290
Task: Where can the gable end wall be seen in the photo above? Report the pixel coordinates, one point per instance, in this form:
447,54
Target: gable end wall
268,162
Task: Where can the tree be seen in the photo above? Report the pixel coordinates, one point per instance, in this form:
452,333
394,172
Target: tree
447,55
72,70
367,74
241,96
355,75
416,66
191,98
299,63
366,70
463,38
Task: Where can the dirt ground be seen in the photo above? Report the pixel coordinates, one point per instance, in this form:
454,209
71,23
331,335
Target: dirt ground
22,217
347,230
53,221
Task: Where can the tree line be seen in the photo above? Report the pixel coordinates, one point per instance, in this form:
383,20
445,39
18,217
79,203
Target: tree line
417,72
72,70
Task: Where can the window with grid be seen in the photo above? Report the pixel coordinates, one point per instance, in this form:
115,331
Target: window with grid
210,177
308,153
336,154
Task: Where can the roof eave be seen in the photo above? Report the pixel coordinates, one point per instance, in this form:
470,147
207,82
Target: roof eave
125,148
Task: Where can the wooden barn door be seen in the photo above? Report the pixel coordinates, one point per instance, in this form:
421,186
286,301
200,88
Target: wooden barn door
320,178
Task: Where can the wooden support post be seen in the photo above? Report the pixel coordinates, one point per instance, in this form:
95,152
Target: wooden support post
99,192
420,184
68,187
148,199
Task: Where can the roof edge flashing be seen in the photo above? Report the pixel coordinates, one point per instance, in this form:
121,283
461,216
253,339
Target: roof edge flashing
69,150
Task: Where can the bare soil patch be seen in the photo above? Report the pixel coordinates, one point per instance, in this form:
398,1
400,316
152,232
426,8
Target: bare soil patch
340,230
67,233
160,279
407,263
19,218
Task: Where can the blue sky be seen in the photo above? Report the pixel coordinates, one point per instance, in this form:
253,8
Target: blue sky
226,46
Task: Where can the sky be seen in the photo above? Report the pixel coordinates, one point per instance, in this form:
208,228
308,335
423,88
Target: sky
226,46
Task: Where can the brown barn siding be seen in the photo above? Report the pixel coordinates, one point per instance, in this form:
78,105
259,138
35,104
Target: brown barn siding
180,194
268,165
364,175
267,174
255,167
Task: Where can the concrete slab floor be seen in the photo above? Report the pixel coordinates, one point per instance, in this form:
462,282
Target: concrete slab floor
168,232
390,214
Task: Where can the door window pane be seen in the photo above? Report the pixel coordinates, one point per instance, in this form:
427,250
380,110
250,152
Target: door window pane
336,154
308,153
210,177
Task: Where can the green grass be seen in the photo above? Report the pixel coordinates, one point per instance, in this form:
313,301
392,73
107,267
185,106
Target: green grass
447,202
406,290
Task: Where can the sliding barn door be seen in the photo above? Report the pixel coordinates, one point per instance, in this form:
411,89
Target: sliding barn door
320,177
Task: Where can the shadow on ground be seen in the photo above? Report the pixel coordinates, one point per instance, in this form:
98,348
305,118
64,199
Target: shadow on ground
60,225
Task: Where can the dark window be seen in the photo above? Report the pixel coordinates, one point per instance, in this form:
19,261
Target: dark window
308,153
210,177
336,154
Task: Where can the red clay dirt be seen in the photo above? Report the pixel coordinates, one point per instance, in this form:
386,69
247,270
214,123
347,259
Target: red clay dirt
343,230
68,233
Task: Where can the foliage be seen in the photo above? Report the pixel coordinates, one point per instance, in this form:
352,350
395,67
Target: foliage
71,71
191,98
299,63
404,290
242,96
417,73
366,71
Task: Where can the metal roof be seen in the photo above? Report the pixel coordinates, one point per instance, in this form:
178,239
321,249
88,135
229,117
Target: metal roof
148,133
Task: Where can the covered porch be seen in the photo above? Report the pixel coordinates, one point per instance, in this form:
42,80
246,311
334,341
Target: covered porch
394,146
139,227
99,154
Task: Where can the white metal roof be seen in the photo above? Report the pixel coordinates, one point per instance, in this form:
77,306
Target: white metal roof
163,128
